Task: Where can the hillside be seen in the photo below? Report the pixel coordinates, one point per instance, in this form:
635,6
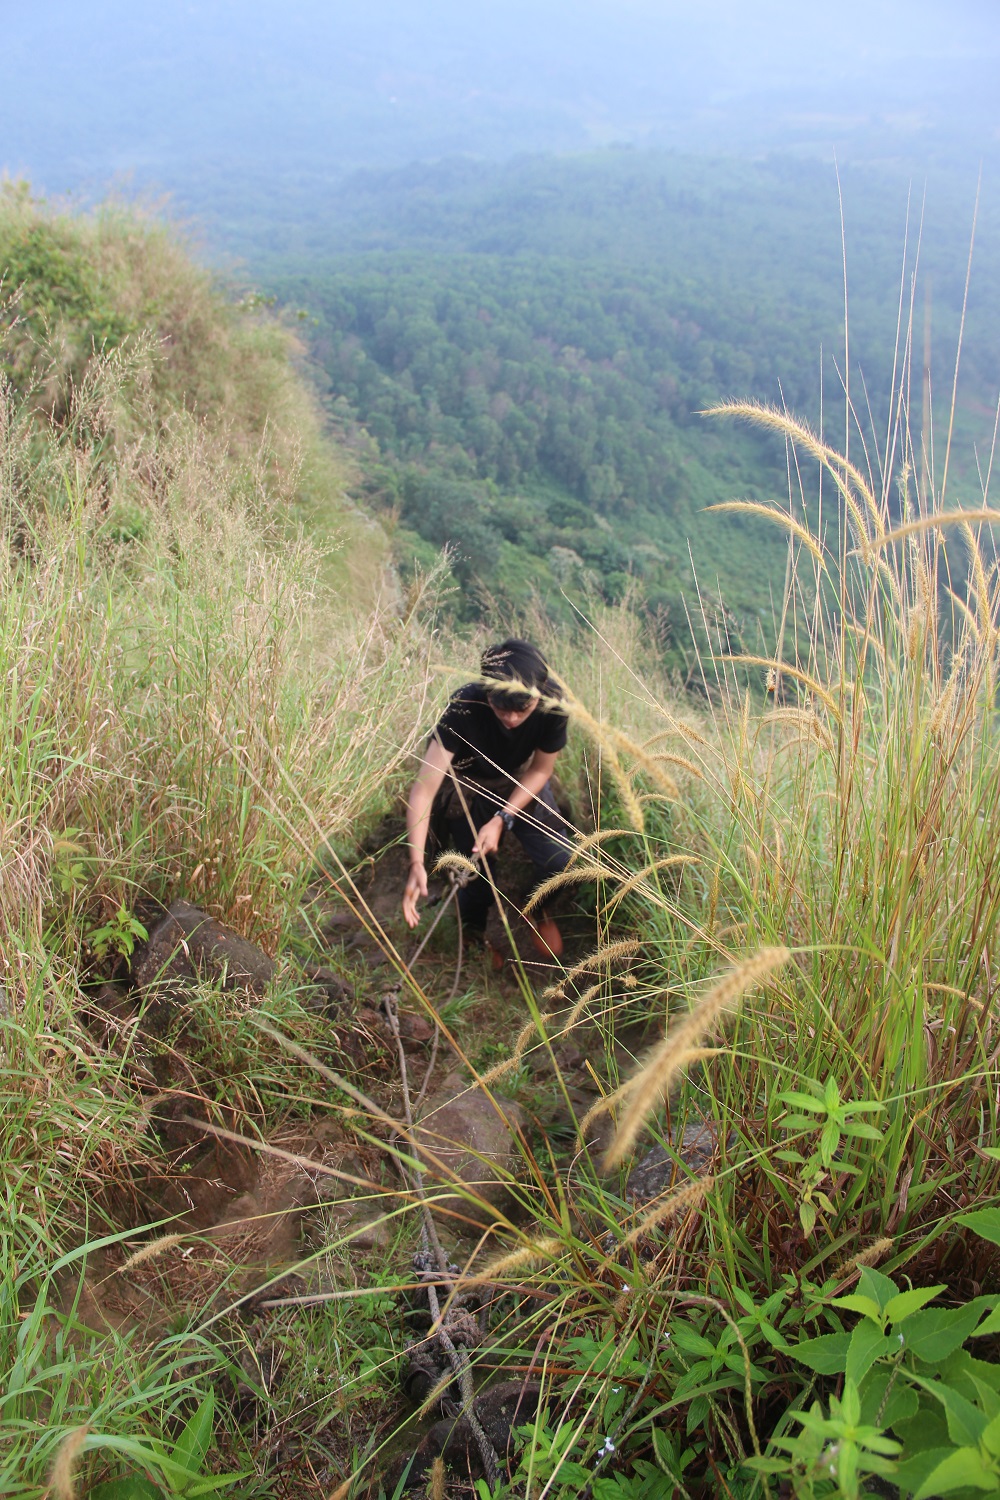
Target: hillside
108,318
302,1203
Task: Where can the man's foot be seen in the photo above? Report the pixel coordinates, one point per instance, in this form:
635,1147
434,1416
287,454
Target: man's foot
497,959
545,936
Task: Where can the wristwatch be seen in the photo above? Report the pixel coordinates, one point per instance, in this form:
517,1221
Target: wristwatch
506,818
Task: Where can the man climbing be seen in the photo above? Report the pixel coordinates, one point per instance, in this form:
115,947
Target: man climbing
485,771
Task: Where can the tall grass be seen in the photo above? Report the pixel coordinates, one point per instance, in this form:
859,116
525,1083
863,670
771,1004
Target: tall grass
839,809
172,694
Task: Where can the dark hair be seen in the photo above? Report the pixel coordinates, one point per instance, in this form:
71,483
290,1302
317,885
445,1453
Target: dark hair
516,661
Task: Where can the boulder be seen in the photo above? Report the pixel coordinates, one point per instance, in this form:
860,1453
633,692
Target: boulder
696,1144
187,945
472,1135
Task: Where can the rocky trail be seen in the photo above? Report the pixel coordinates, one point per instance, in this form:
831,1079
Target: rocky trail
255,1222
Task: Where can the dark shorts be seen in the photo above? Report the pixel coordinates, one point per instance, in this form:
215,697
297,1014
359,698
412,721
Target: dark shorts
539,829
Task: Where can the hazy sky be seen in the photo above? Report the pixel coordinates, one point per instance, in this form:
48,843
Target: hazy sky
179,92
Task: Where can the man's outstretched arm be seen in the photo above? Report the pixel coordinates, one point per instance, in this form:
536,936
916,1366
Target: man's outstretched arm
433,770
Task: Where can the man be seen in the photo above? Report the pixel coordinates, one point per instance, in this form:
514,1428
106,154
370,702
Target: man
486,769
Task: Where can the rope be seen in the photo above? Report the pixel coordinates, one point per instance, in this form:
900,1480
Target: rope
457,882
429,1241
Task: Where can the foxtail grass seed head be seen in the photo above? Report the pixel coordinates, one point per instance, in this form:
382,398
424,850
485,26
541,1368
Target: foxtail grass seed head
780,518
149,1252
61,1479
620,1310
457,862
531,1029
601,1106
631,805
681,1202
499,1071
804,719
607,739
870,1256
649,1083
535,1253
581,1005
641,877
648,763
589,841
565,877
437,1489
603,957
875,1253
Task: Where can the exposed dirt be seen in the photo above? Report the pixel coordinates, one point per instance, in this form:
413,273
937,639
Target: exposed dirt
247,1217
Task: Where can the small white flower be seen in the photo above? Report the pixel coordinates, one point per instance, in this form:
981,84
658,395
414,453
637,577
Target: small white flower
606,1449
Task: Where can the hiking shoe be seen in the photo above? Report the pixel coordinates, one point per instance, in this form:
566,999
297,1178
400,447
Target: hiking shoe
545,936
497,959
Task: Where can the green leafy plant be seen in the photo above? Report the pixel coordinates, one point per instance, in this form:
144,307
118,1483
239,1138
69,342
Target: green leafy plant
824,1111
119,936
914,1405
179,1466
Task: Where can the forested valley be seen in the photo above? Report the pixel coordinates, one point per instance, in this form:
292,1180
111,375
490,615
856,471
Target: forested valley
522,356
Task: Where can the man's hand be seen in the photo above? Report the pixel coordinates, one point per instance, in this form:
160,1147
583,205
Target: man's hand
416,887
488,837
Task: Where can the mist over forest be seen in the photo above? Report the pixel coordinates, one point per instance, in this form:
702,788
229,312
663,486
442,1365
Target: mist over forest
220,101
527,245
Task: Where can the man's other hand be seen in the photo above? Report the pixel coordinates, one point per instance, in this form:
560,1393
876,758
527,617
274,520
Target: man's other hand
416,888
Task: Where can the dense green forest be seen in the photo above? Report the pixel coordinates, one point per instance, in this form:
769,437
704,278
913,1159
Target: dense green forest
529,350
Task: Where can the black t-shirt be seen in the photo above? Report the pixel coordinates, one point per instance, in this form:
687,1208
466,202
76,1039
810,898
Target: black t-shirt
483,749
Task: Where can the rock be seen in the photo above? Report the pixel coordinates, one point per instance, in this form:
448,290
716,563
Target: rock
325,990
696,1145
187,945
473,1137
569,1056
414,1028
501,1409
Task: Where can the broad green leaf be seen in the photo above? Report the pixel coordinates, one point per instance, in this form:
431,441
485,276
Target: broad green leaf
905,1303
868,1343
209,1486
913,1471
990,1324
966,1423
886,1400
776,1339
862,1131
872,1283
192,1445
807,1218
691,1342
991,1437
803,1101
827,1355
961,1469
132,1487
983,1221
866,1306
935,1332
